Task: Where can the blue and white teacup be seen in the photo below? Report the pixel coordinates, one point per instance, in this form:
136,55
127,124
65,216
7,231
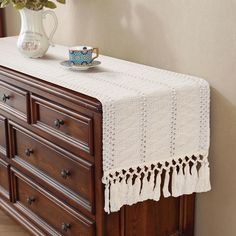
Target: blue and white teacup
83,55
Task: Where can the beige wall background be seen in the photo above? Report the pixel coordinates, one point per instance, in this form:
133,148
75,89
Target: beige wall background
195,37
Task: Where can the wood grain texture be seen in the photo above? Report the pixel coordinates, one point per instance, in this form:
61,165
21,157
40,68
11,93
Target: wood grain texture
4,179
3,134
9,227
36,202
2,23
70,173
14,100
168,217
34,181
70,126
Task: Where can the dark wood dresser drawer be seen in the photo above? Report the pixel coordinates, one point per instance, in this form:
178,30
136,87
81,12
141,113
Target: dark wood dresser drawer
4,179
51,166
42,207
71,127
74,175
3,148
14,100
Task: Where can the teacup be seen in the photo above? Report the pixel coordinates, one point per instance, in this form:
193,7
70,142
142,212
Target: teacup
83,55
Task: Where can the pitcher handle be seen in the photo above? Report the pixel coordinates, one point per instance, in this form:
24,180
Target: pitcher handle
54,16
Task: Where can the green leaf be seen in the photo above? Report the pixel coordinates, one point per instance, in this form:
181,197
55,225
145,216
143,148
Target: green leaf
4,3
62,1
50,4
31,4
19,6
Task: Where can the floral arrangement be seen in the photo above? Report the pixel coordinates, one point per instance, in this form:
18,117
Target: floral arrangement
35,5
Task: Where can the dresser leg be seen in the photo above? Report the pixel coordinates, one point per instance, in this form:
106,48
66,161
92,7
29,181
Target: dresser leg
186,223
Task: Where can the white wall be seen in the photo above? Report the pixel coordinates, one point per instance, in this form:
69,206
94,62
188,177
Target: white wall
190,36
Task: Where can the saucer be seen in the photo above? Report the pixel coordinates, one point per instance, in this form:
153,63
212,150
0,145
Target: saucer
72,66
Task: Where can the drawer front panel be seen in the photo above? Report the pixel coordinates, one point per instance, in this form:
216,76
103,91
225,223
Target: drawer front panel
3,136
71,127
14,100
4,179
75,175
33,198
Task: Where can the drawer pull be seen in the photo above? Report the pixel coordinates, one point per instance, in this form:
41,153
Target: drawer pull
58,123
28,152
5,98
65,173
30,200
65,227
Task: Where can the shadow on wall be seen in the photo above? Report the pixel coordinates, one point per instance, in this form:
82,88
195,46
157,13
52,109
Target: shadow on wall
142,39
125,29
222,162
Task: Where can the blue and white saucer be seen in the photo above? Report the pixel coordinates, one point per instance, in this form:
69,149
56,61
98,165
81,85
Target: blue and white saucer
73,66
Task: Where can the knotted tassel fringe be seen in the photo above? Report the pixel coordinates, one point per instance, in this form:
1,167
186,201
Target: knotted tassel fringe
203,183
166,191
157,189
186,176
177,182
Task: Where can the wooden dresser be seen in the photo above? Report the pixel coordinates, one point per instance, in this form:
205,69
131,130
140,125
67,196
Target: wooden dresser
1,23
51,167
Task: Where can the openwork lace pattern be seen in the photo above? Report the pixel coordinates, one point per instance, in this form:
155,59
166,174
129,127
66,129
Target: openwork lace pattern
155,124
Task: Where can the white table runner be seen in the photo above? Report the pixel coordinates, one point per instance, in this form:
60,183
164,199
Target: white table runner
155,123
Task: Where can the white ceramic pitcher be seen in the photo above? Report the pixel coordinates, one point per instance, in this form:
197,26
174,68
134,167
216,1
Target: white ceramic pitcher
33,41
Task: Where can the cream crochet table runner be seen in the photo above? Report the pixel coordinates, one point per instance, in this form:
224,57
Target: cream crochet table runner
155,123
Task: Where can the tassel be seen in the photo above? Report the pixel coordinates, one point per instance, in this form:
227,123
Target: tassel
204,178
200,182
115,200
207,178
107,197
187,185
203,184
143,193
191,179
194,177
175,183
147,188
157,188
166,191
130,195
180,181
136,188
123,192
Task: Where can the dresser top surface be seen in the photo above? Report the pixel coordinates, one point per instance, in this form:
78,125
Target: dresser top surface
114,81
48,68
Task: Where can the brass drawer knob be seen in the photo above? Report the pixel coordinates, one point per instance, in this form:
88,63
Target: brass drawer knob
30,200
58,123
5,97
28,152
65,227
65,173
